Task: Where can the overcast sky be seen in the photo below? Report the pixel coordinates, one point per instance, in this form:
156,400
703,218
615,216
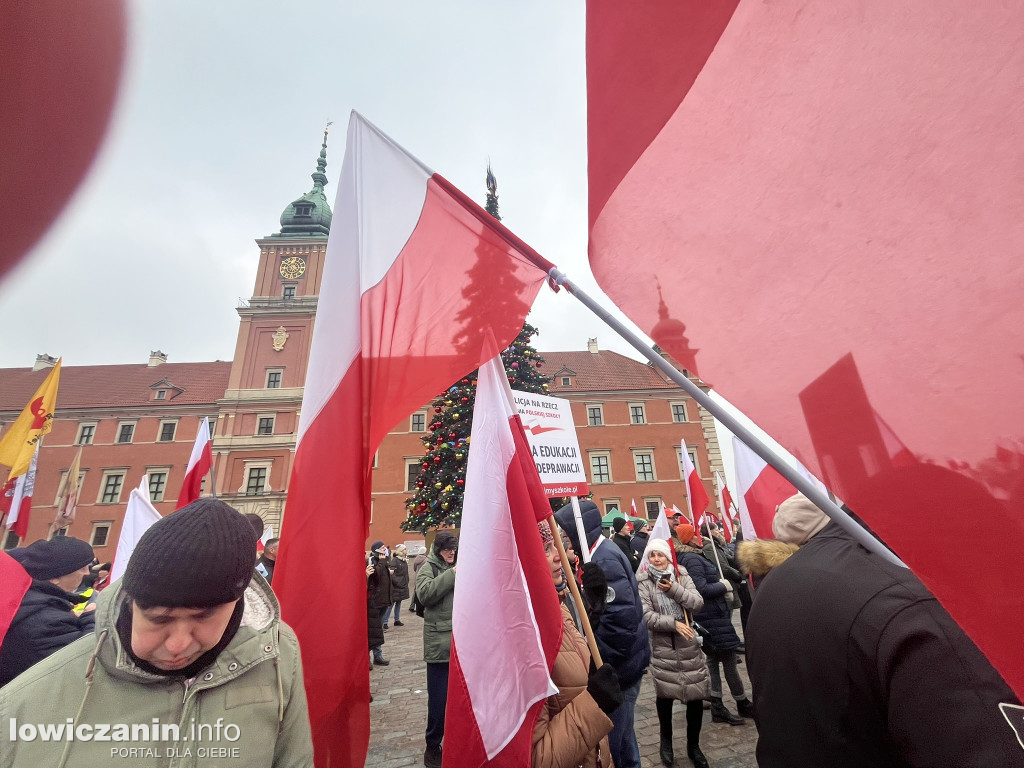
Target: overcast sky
218,126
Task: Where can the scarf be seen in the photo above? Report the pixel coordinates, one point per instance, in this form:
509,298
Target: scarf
666,605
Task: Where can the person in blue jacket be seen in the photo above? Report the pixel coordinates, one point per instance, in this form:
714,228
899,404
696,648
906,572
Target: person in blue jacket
620,631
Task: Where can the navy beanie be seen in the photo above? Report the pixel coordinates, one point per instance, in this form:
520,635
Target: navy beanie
201,556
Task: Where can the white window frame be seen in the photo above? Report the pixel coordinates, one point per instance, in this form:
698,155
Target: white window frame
247,466
405,478
284,291
600,414
81,427
150,471
273,424
108,473
637,452
160,431
63,482
686,417
597,454
652,499
161,394
120,426
566,381
643,413
610,504
412,427
96,525
693,458
266,379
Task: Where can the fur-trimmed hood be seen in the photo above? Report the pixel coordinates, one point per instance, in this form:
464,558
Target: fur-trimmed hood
759,556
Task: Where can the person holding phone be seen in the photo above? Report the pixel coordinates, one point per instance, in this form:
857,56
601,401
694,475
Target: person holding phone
669,599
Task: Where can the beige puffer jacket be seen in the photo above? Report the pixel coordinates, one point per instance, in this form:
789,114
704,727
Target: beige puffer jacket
678,665
571,729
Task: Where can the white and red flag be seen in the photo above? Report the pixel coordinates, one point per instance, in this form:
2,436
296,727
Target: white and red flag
696,494
725,503
659,530
414,274
696,528
16,498
870,161
499,681
138,517
199,464
761,489
268,534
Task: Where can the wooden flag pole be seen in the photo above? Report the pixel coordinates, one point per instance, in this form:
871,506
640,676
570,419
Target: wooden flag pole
801,483
588,631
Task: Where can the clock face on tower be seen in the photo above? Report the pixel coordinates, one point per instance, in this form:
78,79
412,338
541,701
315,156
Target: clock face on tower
292,267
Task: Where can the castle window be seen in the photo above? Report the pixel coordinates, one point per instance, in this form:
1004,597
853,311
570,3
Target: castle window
303,210
289,292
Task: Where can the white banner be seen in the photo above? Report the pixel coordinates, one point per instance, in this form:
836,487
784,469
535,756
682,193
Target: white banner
551,433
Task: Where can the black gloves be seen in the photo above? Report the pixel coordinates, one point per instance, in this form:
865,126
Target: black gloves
595,589
603,687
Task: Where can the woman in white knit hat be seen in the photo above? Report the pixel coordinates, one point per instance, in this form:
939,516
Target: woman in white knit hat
669,598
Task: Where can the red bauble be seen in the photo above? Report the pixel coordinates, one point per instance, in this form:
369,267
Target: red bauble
539,364
465,399
437,459
451,435
465,381
460,482
437,409
424,465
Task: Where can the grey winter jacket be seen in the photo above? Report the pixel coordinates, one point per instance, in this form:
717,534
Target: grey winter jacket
677,664
437,594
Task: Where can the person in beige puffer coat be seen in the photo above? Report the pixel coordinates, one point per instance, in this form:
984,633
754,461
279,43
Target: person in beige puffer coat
669,598
572,728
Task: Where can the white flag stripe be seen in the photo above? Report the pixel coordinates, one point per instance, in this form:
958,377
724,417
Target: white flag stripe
138,517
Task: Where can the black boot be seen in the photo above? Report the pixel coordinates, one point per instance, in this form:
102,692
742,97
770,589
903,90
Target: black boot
719,714
745,707
668,757
697,757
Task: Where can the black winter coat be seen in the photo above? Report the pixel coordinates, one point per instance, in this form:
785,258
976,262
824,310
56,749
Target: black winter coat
854,664
623,543
715,617
639,544
620,632
399,579
374,628
381,584
43,624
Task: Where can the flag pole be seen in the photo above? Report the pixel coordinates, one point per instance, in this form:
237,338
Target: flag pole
801,483
588,631
714,549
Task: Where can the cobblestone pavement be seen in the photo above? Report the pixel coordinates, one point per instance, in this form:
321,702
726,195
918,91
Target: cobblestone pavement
398,713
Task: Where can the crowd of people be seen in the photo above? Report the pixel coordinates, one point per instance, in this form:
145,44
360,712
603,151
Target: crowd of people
851,660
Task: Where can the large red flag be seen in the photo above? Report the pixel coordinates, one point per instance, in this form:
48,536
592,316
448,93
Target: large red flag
413,275
199,463
500,680
16,582
860,185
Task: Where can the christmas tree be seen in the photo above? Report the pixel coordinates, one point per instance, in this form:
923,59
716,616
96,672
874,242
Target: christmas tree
437,501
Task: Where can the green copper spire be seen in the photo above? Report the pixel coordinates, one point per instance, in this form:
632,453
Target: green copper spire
310,214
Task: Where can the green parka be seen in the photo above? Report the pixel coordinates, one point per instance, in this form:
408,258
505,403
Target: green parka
437,594
255,684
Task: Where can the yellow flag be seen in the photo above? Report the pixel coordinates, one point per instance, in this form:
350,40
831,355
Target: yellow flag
19,443
67,499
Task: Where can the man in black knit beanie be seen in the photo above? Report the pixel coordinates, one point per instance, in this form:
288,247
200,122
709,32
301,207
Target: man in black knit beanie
186,615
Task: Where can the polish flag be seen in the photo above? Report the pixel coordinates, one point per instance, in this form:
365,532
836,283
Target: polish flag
414,274
659,530
138,517
761,489
16,498
697,495
199,463
499,681
16,582
725,503
268,534
834,125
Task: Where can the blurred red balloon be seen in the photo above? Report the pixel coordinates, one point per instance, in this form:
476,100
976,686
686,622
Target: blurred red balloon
60,74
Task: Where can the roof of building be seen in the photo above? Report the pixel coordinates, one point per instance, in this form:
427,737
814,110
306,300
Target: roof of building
602,370
99,386
310,214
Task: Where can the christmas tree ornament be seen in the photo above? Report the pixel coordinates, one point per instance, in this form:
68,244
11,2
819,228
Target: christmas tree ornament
438,486
455,416
515,365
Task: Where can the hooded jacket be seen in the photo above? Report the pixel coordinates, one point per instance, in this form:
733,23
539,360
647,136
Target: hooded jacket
43,624
400,578
571,729
437,594
255,683
854,664
620,632
678,665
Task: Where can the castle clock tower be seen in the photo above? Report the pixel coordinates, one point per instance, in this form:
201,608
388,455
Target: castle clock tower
258,418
